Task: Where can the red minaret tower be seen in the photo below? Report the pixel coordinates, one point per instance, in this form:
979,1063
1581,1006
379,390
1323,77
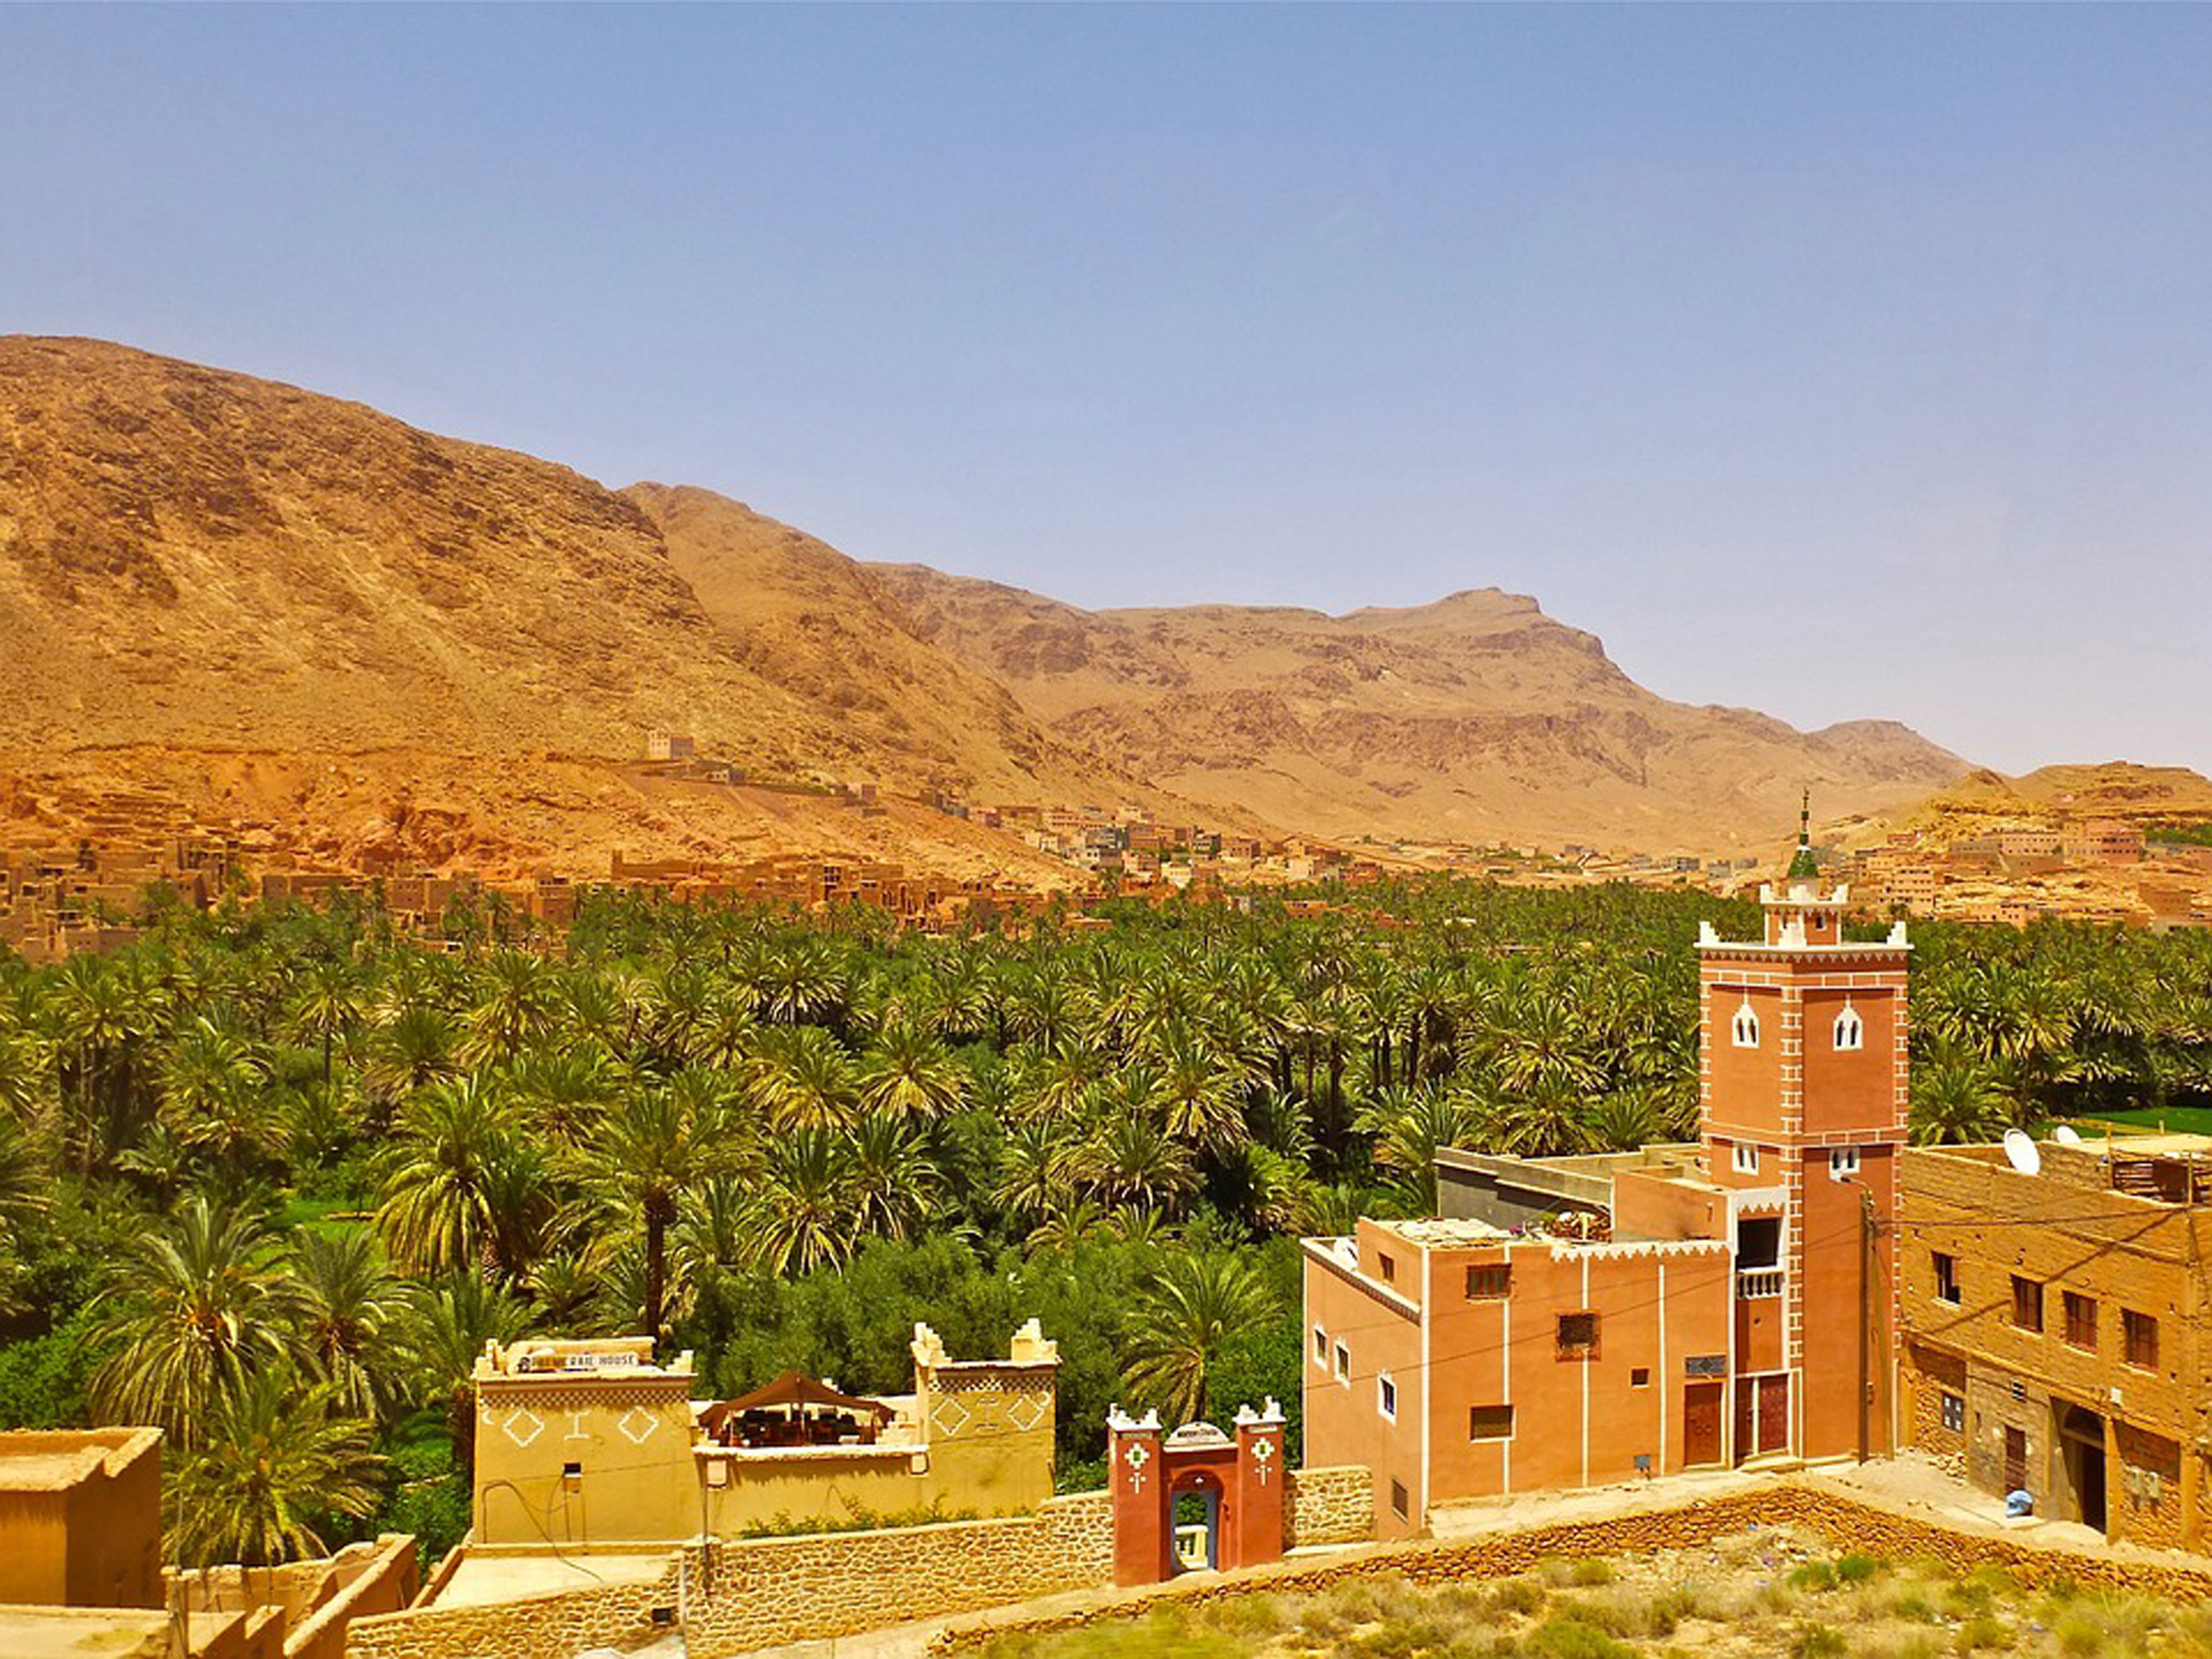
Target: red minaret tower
1802,1087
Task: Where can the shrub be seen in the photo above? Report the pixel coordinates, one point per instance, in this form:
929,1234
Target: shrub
1817,1642
1566,1636
1981,1633
1857,1568
1813,1575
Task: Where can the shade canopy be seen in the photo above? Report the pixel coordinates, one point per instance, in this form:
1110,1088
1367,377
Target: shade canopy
792,1389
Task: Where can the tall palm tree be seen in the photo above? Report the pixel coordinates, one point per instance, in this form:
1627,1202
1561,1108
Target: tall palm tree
910,1074
350,1310
1180,1320
197,1305
642,1155
804,1212
459,1184
281,1459
444,1336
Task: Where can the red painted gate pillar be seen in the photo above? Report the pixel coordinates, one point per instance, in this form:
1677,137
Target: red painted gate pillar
1143,1544
1260,1477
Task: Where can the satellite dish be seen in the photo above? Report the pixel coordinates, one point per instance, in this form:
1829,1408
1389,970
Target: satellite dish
2021,1154
2067,1135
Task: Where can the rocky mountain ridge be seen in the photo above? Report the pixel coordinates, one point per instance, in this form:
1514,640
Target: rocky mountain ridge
196,564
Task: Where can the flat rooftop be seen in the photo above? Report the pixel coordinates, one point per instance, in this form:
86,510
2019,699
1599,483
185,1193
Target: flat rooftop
1439,1234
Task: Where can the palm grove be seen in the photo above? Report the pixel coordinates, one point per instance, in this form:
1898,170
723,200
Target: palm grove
270,1178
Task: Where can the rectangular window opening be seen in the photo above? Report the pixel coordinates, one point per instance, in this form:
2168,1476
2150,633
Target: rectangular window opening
1386,1396
1490,1423
1490,1281
2027,1304
1321,1348
2141,1331
1955,1412
1639,1377
1344,1363
1399,1503
1947,1277
2081,1320
1578,1335
1389,1269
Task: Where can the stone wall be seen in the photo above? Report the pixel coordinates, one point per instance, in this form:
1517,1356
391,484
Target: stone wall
1329,1506
2144,1490
733,1597
1929,1373
1846,1524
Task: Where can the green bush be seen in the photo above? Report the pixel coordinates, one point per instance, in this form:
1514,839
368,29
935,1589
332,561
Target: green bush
1818,1641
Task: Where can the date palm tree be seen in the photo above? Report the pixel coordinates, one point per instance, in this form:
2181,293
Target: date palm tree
282,1459
1180,1319
196,1307
640,1157
910,1074
460,1185
350,1310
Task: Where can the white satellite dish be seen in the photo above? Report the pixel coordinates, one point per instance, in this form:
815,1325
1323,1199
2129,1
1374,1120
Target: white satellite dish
2021,1154
2067,1135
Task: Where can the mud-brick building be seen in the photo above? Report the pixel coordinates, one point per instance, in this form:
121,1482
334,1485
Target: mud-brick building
1576,1321
2051,1326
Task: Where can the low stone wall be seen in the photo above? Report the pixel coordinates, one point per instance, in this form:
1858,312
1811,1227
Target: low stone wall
732,1598
1329,1506
1846,1524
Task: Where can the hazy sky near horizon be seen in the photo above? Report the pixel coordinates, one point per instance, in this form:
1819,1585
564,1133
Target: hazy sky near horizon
1837,361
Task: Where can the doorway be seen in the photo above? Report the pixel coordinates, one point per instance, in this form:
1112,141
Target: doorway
1195,1515
2082,1440
1762,1415
1701,1424
2015,1460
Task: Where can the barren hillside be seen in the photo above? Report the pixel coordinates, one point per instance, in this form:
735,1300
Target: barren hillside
1475,717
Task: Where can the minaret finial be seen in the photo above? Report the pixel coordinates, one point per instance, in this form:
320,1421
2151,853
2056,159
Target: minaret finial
1804,867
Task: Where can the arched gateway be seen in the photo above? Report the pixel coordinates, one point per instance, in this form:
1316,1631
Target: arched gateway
1238,1480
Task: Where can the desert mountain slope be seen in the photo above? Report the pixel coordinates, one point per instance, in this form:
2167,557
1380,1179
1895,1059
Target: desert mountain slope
820,627
1475,717
194,557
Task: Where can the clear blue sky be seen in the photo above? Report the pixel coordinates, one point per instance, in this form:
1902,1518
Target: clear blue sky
1837,361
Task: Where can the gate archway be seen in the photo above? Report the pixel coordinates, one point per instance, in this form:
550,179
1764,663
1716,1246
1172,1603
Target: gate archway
1238,1478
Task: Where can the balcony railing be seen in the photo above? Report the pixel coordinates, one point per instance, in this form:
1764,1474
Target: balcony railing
1752,1283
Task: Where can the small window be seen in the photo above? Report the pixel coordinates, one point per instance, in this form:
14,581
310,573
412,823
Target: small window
1746,1160
1399,1502
1639,1377
1488,1283
1578,1335
1344,1363
2027,1304
1389,1269
2080,1321
1850,1029
1386,1396
1490,1423
1954,1409
2141,1330
1947,1277
1843,1163
1745,1026
1321,1348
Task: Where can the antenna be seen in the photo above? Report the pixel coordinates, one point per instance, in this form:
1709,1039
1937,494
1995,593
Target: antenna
2021,1154
2067,1135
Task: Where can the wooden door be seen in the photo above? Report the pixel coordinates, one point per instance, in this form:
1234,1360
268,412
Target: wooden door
1701,1423
2016,1459
1774,1415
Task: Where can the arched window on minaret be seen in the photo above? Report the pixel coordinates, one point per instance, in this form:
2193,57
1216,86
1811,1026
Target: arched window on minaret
1850,1029
1746,1026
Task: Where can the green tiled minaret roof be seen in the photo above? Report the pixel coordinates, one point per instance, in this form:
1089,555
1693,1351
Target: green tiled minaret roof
1804,867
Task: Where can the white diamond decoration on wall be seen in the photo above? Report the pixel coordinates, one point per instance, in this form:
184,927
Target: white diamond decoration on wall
1027,1412
522,1426
950,1415
638,1425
